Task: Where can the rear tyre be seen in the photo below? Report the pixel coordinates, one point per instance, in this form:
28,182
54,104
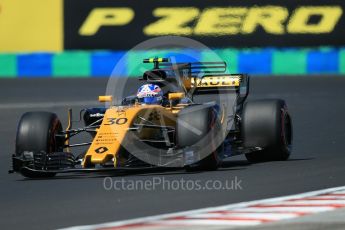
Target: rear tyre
36,133
193,124
267,124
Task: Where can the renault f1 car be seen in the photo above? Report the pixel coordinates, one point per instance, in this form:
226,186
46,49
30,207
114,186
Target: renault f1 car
180,132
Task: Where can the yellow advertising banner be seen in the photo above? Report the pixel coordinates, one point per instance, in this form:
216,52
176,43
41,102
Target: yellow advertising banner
31,25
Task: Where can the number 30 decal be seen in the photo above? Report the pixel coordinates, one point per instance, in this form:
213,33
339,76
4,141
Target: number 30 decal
117,121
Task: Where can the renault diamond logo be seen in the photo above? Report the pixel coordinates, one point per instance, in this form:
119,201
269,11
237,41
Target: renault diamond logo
101,150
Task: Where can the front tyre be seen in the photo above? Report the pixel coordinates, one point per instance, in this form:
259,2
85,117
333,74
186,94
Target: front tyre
36,134
194,124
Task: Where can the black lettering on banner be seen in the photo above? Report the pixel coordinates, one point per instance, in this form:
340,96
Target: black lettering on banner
122,24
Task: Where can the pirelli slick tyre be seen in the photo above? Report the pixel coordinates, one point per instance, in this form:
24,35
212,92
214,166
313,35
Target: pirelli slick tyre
36,133
193,124
267,124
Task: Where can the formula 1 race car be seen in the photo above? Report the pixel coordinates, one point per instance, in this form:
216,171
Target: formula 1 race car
179,133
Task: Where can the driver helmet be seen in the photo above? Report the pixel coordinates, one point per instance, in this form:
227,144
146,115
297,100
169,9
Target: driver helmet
150,94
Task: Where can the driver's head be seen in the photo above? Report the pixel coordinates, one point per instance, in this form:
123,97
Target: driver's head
150,94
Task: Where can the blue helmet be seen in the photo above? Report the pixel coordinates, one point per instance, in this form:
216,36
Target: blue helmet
150,94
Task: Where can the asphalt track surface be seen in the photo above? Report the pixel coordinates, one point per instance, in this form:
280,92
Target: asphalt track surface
317,106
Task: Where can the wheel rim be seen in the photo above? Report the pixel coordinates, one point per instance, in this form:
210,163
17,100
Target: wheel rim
286,131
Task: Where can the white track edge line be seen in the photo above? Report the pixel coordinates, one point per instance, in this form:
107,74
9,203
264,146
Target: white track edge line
195,211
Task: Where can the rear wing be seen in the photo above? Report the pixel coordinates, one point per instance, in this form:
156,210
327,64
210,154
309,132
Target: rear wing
222,83
163,68
198,77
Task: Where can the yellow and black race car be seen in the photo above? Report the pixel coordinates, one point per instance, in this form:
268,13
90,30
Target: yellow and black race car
179,132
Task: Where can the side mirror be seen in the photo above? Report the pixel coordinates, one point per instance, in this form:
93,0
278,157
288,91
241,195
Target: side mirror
175,96
106,98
